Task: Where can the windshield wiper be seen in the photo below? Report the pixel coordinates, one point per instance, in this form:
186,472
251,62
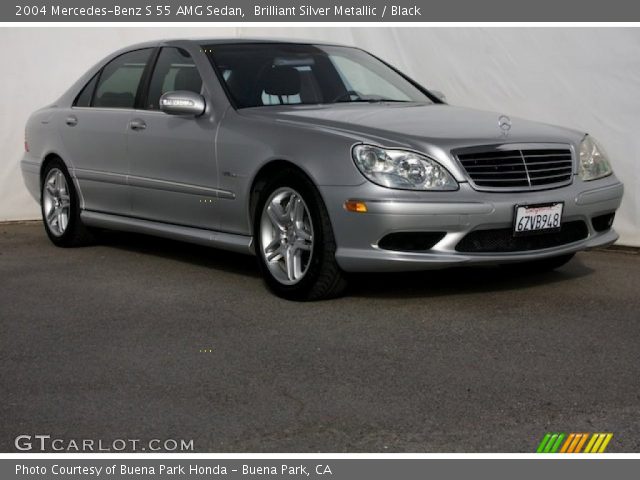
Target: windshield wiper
375,100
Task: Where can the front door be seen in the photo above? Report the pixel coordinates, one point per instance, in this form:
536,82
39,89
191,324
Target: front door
173,175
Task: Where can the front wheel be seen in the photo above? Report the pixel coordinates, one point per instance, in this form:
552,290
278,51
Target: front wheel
294,240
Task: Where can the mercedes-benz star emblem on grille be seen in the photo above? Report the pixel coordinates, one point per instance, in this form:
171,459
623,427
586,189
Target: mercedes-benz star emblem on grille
504,123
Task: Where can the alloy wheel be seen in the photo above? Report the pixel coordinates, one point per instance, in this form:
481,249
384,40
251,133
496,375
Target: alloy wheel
286,234
56,202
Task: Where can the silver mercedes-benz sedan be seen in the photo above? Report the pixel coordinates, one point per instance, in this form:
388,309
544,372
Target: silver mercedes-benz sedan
319,159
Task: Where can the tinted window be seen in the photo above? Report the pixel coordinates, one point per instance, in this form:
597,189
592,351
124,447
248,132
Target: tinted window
84,97
119,80
275,74
174,70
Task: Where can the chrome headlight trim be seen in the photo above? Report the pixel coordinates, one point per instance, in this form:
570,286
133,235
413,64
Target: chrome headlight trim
402,169
594,163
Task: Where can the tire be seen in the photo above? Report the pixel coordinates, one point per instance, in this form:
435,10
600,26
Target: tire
307,242
540,266
60,207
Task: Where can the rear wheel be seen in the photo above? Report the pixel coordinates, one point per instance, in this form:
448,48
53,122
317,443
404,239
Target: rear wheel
543,265
60,208
294,240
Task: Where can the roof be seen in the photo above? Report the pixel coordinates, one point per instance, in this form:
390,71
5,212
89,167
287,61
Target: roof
228,41
214,41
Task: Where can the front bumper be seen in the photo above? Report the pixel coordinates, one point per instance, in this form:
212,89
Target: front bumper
456,213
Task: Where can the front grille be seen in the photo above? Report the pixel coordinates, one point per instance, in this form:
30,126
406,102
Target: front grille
525,169
502,239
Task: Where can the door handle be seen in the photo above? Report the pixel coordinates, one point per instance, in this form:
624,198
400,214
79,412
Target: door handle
137,124
71,120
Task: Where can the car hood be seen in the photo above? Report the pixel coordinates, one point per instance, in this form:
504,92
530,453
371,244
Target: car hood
410,124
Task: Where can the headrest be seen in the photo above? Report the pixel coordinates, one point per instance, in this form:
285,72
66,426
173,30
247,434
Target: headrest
281,81
188,78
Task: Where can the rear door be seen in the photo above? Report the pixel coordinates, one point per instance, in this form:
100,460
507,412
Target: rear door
94,132
173,174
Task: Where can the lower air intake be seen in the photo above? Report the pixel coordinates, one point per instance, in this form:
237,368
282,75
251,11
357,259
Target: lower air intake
502,239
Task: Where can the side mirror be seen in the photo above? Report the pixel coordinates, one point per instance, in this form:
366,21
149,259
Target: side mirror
182,102
439,95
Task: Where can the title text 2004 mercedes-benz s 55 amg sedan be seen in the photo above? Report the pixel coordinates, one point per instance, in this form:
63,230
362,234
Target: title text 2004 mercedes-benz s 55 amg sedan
320,159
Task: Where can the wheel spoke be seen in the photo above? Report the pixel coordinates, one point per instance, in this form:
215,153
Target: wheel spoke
300,213
302,245
275,243
50,189
292,208
289,209
51,215
275,218
275,255
273,251
302,234
65,200
62,221
297,262
289,264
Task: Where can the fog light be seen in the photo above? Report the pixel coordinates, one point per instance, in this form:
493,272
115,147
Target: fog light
354,206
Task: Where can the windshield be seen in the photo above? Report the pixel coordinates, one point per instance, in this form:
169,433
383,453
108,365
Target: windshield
269,74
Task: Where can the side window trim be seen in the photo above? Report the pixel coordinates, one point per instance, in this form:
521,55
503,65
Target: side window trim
95,87
145,81
91,80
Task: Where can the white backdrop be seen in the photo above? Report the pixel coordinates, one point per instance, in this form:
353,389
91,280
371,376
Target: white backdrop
585,78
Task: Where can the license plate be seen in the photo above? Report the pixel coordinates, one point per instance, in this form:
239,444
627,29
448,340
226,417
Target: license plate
537,218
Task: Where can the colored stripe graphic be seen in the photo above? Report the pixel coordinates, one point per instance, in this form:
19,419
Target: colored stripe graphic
550,443
543,443
583,439
574,442
605,443
570,439
556,446
598,443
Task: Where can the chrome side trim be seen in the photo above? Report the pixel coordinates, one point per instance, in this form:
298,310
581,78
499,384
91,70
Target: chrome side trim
145,182
99,176
225,241
153,183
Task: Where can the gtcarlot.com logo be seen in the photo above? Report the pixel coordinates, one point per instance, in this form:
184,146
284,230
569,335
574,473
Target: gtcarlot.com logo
574,443
45,443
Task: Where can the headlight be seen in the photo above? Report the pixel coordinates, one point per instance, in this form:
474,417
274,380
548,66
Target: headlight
401,169
593,160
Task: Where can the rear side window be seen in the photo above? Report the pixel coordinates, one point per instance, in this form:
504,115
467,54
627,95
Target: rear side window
174,70
119,80
84,97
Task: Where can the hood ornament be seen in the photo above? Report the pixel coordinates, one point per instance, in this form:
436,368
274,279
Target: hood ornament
504,123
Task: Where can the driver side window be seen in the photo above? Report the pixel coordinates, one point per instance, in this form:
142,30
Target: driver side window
174,70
